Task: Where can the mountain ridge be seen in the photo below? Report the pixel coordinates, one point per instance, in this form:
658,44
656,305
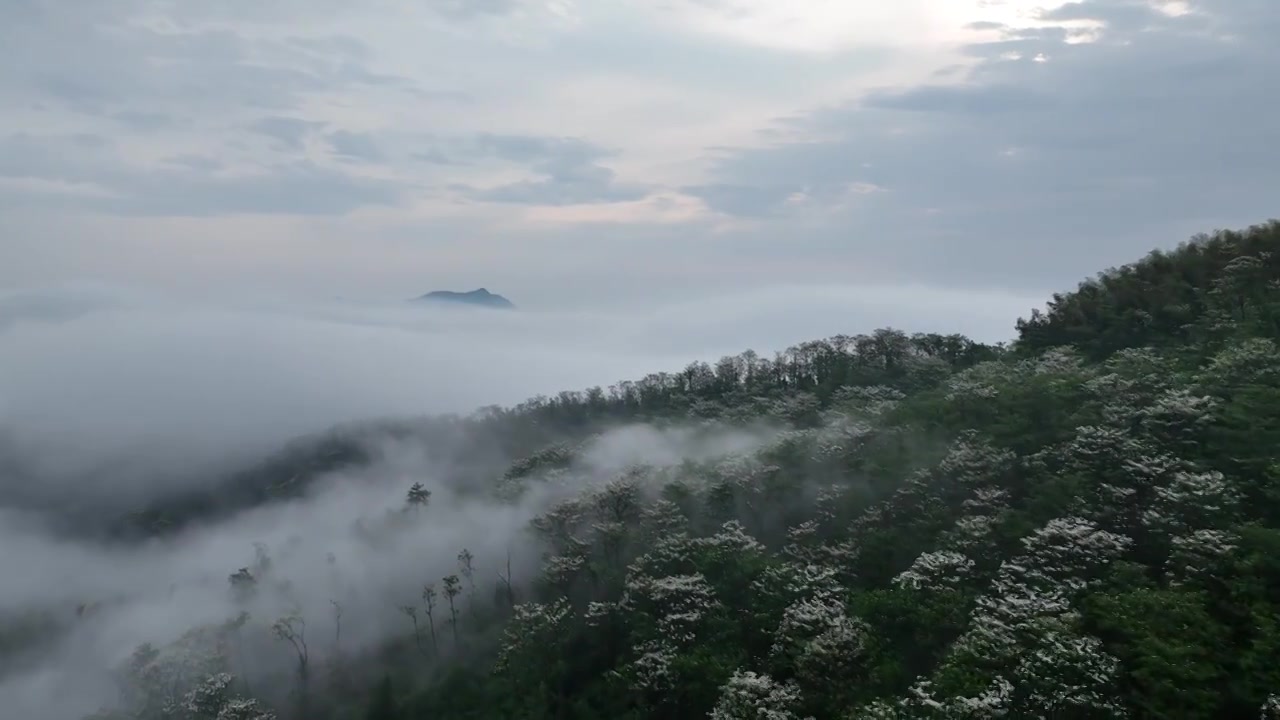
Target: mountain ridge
480,297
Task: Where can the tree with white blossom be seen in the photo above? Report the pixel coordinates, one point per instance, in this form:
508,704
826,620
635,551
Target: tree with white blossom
752,696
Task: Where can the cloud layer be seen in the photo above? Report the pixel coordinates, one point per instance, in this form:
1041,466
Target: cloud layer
980,145
109,600
186,187
89,376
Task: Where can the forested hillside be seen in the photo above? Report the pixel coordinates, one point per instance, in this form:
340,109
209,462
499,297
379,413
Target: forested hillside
1084,524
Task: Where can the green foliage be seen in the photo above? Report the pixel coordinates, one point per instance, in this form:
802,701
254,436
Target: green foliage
1191,299
1170,646
1087,526
382,705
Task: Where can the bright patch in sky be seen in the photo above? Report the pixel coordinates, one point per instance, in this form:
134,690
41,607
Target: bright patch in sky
825,26
384,147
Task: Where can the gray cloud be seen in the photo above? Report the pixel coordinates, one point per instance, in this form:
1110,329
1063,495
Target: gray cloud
569,169
290,132
90,376
94,61
459,9
743,200
1123,15
145,121
961,100
355,146
319,551
168,73
186,188
1000,171
112,397
1039,172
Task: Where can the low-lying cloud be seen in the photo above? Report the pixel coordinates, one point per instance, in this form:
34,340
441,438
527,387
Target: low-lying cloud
108,386
111,397
110,599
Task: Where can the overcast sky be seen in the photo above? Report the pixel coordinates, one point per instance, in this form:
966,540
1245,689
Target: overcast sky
624,150
187,185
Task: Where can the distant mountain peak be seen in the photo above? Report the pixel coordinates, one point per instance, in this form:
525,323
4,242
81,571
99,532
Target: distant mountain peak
479,297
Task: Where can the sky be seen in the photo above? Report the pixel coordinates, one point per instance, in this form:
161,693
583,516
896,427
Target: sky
624,153
211,214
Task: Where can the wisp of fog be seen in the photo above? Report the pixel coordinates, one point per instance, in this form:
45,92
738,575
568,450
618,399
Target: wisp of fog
112,397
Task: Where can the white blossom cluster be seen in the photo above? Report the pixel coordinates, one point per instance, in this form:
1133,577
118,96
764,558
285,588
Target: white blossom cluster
965,387
1024,634
597,612
971,531
1178,415
561,570
984,510
838,434
1122,472
1121,399
166,678
1101,451
212,700
675,604
804,620
560,523
650,670
802,541
880,710
1270,708
819,640
844,429
1065,670
938,569
1054,667
991,702
731,542
1129,382
987,501
869,400
1197,553
1057,361
1071,549
977,383
1253,360
972,462
1192,499
751,696
1062,672
663,518
618,501
670,555
609,533
511,487
827,447
243,709
805,545
917,496
827,502
531,627
1143,367
740,470
785,583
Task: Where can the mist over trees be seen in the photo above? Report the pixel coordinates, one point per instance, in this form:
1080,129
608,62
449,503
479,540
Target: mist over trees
1084,523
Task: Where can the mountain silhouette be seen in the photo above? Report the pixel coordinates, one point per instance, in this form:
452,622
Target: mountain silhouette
480,298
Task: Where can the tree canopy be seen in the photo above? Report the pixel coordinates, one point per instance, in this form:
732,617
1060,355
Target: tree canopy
1083,525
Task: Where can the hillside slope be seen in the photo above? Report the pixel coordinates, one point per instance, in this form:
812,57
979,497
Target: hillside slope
1087,526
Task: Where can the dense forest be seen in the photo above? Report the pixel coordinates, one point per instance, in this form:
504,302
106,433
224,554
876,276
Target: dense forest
1084,523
